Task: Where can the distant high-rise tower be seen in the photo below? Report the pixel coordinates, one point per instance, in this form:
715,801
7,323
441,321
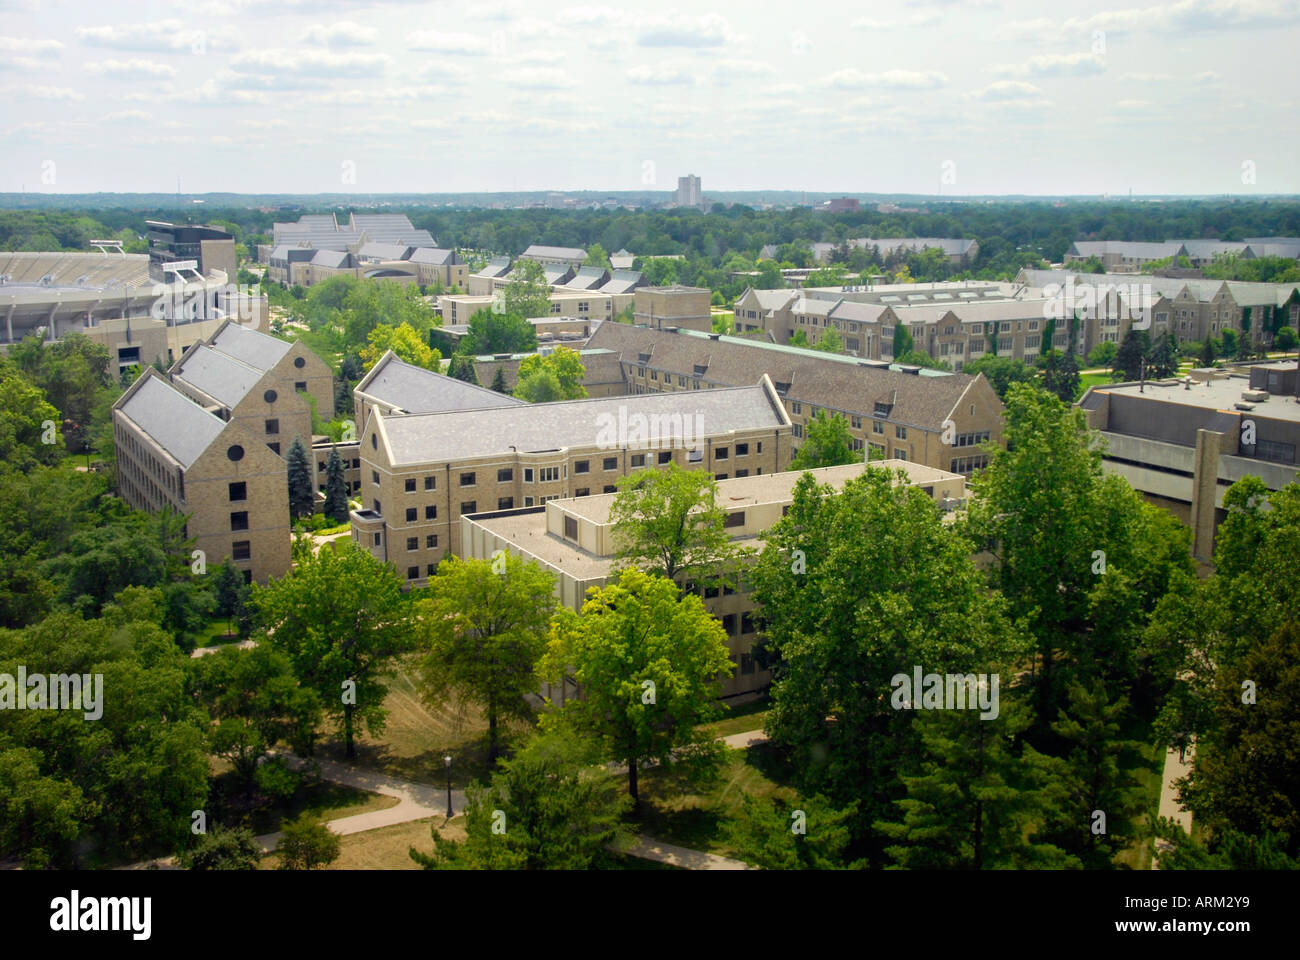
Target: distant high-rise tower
688,191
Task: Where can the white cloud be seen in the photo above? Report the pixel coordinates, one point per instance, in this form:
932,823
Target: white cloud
160,36
405,94
1146,77
725,71
658,76
30,48
1193,16
1054,65
537,56
437,41
684,30
36,91
310,63
121,68
489,11
851,78
540,78
1003,90
923,19
345,33
128,116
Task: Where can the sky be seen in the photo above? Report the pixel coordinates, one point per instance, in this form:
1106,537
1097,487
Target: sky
951,97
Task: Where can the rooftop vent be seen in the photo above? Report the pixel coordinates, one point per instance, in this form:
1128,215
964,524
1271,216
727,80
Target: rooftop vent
1242,405
1256,396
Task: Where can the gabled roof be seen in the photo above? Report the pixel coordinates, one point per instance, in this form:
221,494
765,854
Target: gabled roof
174,421
384,251
1128,249
557,253
429,437
496,267
825,380
433,255
623,281
249,346
770,299
413,389
587,278
331,258
557,273
217,374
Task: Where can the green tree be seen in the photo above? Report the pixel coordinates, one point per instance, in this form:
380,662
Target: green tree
1285,339
854,585
830,341
1132,355
1103,354
26,421
563,364
462,368
302,498
669,522
546,808
336,488
542,386
307,843
527,294
230,592
341,616
491,332
499,381
43,814
973,799
223,848
485,624
1229,340
903,343
1163,361
1208,353
801,834
828,443
649,661
1001,372
1061,375
405,341
597,257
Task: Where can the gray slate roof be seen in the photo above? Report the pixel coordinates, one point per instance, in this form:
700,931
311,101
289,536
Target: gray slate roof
838,382
433,437
416,390
217,374
434,255
178,424
623,281
253,348
559,253
588,278
331,258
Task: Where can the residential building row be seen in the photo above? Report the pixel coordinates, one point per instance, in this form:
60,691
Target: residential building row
959,252
1125,256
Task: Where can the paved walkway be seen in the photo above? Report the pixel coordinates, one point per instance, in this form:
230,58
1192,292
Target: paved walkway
204,651
1174,770
743,741
647,848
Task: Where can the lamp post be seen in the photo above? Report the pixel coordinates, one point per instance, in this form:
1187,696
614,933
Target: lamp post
446,761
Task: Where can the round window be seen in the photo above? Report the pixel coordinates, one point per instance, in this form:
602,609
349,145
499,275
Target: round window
235,453
270,396
299,362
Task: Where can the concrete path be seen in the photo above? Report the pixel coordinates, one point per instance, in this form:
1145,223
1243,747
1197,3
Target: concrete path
743,741
204,651
1174,770
647,848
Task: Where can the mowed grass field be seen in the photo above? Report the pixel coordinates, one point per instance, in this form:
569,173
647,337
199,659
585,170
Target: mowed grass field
417,736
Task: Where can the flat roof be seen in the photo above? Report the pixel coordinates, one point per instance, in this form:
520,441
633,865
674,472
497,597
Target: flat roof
1211,396
527,530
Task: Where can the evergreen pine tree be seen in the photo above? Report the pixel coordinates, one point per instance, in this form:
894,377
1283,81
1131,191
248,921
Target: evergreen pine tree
1131,353
499,381
229,587
1208,352
302,499
336,489
462,368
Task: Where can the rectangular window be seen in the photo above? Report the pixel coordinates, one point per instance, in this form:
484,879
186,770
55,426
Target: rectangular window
300,386
582,492
238,491
735,519
797,429
505,476
377,539
467,479
719,476
528,501
900,432
746,663
431,541
877,427
742,449
410,514
746,623
412,573
796,406
430,569
729,623
548,474
412,543
856,423
275,447
273,426
431,483
721,453
528,474
742,473
374,477
665,456
695,456
638,460
610,463
505,503
241,550
570,528
431,512
239,521
468,506
409,485
582,466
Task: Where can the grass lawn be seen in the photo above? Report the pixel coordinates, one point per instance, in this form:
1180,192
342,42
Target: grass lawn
1149,772
416,736
675,814
329,801
741,718
214,633
1088,380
